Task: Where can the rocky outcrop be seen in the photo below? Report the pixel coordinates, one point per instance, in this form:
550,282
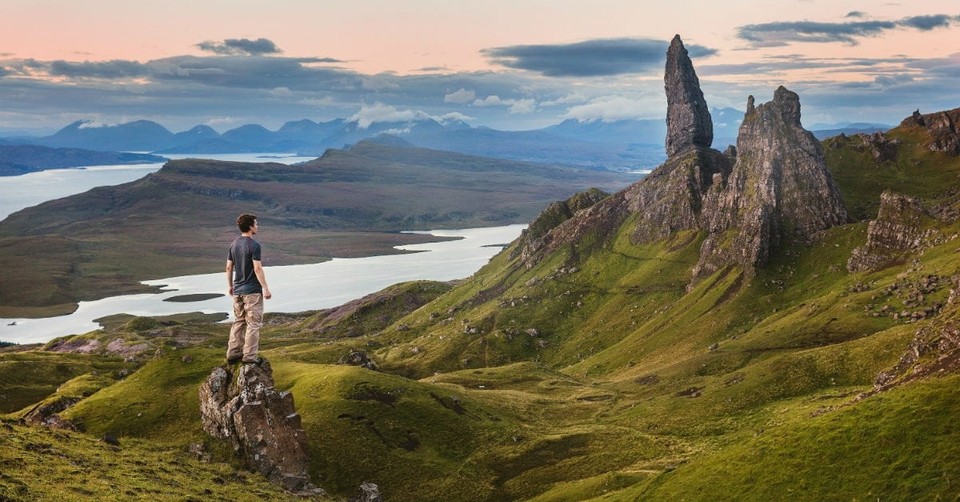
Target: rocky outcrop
671,197
537,235
688,118
358,358
773,187
47,414
942,127
935,348
260,423
779,189
880,146
902,227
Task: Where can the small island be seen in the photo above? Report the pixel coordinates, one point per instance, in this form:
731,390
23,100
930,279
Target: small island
197,297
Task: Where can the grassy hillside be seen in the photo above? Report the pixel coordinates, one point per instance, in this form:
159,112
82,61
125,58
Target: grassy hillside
41,464
595,374
180,220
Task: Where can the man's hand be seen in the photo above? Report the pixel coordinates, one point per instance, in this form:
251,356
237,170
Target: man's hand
267,294
230,290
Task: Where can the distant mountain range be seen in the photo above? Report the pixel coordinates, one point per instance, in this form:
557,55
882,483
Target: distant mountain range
617,145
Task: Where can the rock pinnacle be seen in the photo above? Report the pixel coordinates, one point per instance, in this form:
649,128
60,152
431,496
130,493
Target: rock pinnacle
688,118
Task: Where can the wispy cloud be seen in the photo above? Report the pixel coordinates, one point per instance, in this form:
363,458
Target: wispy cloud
379,112
591,58
783,33
98,69
240,47
778,65
461,96
608,109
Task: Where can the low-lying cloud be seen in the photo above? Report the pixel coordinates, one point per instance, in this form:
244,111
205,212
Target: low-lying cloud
608,109
591,58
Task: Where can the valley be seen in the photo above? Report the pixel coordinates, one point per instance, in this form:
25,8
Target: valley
773,321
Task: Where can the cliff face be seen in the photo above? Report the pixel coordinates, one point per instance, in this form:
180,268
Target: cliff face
901,227
779,188
538,234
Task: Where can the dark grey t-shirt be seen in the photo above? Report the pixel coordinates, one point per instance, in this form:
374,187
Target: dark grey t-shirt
242,253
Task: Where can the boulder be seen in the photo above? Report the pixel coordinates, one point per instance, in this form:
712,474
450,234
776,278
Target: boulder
369,492
259,421
358,358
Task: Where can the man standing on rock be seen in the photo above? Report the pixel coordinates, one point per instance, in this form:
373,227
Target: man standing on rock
248,287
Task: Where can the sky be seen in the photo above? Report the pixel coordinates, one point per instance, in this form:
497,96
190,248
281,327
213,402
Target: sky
513,65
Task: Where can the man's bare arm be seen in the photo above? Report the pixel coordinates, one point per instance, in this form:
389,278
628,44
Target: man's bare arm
258,270
230,277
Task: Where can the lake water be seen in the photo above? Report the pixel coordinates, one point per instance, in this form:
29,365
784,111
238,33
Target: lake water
19,192
295,288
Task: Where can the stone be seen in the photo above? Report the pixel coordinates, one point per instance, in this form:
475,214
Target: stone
369,492
358,358
260,422
199,451
688,117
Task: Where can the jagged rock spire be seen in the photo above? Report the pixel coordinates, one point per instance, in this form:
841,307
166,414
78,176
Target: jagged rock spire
688,118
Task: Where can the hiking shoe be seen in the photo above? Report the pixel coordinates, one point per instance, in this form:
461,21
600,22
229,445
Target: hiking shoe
233,360
257,360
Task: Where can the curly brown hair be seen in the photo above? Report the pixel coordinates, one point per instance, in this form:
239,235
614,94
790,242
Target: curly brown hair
246,222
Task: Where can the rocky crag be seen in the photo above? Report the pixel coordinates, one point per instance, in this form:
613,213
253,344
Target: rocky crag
260,423
671,197
772,187
779,189
943,129
935,348
903,227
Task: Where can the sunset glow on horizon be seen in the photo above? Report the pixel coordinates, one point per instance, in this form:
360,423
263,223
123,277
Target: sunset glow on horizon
521,64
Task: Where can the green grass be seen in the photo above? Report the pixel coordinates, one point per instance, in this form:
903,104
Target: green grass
901,445
28,377
40,464
914,171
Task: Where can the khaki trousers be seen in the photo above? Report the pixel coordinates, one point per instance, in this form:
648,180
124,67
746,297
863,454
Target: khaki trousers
245,332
